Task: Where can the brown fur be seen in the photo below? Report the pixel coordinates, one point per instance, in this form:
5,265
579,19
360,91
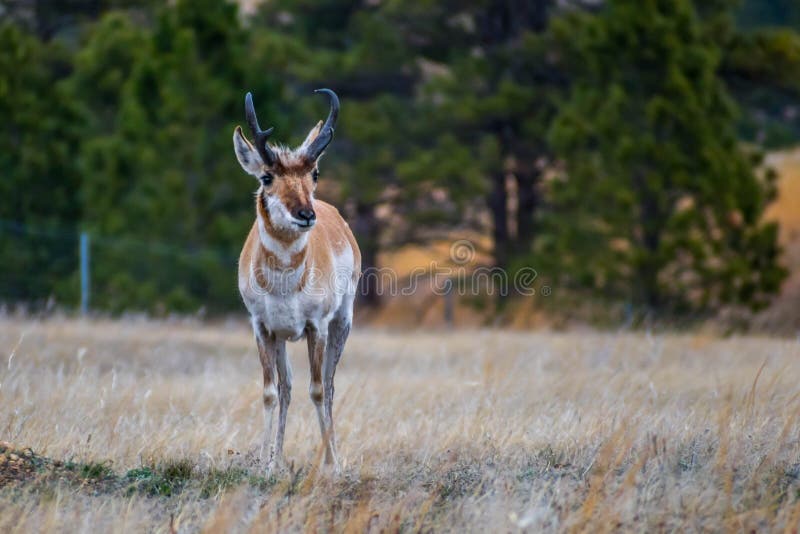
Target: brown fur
287,166
329,236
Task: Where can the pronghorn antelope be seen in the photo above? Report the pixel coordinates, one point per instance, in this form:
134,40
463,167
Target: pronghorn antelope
297,272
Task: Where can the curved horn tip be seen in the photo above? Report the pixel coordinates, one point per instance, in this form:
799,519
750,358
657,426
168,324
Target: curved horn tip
328,92
249,108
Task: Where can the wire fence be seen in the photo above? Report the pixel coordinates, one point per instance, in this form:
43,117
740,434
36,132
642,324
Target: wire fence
42,265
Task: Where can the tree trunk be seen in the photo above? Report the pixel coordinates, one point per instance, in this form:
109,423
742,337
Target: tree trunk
366,228
649,266
497,201
527,204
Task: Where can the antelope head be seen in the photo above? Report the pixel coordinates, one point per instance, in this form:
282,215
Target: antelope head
288,177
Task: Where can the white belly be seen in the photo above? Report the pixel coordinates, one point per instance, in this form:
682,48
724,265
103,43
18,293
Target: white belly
287,316
284,316
286,311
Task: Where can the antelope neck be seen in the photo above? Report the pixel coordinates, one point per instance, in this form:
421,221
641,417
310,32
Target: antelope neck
283,249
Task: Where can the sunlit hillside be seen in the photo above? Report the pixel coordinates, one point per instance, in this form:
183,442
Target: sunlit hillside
784,314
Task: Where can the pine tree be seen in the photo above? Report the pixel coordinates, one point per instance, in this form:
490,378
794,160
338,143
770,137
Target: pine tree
157,161
659,205
497,96
39,134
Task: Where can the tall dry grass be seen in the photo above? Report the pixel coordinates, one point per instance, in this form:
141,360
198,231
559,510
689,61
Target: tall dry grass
476,431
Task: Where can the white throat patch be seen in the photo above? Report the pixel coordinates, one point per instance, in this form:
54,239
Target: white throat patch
283,252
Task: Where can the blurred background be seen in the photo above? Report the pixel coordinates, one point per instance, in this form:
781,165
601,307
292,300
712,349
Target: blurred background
633,158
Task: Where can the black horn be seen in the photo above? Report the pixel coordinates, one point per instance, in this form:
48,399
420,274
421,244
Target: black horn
326,133
260,136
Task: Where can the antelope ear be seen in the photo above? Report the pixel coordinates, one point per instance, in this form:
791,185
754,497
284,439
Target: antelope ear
246,153
311,136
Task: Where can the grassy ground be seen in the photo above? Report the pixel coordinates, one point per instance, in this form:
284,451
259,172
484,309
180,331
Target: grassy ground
153,426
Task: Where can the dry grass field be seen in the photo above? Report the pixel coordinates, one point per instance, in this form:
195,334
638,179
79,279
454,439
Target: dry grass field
120,427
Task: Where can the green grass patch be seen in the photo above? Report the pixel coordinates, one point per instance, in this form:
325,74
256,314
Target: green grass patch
165,480
218,480
95,471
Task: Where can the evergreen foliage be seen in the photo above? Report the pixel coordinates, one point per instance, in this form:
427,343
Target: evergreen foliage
664,205
611,145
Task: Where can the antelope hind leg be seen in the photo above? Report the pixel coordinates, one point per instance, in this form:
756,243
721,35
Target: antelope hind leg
338,330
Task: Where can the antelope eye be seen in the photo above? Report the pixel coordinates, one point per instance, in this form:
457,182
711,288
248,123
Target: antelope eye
315,174
266,179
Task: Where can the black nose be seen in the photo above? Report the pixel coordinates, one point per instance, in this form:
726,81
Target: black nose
306,214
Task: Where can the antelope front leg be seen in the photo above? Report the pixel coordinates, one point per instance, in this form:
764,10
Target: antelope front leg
284,395
266,355
272,354
317,342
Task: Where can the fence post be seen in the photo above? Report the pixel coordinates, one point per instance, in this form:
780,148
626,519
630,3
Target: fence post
448,304
84,273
